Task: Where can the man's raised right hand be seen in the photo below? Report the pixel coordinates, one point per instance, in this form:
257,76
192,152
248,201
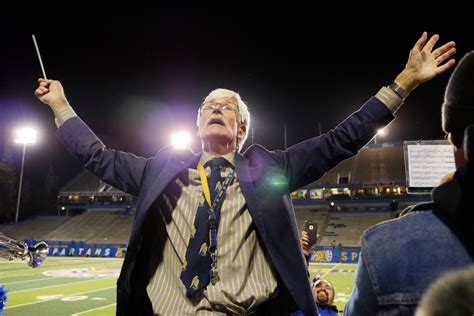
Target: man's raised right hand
51,92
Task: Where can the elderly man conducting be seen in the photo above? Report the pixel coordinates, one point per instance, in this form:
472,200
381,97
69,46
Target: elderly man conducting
213,234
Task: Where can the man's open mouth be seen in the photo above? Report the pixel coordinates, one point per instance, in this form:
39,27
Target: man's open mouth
216,121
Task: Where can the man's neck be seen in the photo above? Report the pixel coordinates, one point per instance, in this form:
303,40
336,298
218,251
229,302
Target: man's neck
217,149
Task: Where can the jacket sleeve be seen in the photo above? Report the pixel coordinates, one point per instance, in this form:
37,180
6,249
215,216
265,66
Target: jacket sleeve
122,170
307,161
363,300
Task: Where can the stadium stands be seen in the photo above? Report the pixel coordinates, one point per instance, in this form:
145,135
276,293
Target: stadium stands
89,226
315,215
34,228
359,192
380,165
346,229
86,191
116,233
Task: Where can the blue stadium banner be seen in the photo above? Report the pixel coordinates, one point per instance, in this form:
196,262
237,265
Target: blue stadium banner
335,254
82,249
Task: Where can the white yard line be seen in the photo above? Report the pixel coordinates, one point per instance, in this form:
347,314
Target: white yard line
52,268
94,309
330,270
322,263
43,279
57,298
49,286
15,276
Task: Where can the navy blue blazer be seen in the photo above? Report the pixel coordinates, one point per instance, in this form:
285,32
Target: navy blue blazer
266,179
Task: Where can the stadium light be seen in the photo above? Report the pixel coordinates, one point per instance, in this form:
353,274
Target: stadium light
380,132
181,140
24,136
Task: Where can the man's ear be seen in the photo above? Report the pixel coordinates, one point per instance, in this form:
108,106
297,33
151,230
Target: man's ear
241,133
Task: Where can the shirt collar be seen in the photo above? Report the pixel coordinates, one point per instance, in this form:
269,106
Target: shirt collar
230,157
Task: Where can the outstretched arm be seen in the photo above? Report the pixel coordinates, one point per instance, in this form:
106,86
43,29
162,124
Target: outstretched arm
122,170
307,161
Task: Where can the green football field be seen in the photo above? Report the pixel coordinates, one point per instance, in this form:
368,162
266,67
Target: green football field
86,286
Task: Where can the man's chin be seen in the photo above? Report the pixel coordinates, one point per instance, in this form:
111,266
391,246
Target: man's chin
217,134
216,126
322,299
221,137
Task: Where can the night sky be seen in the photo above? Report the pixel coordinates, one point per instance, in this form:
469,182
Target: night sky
135,78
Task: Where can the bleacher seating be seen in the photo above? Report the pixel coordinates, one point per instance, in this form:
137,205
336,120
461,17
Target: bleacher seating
319,216
111,226
345,168
118,232
379,165
87,226
35,228
108,215
346,229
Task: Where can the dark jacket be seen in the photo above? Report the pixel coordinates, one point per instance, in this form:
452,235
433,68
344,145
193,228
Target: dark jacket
401,258
266,179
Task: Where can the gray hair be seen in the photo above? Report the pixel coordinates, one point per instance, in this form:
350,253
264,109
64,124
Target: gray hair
244,114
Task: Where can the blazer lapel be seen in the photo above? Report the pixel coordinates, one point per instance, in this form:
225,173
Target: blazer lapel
246,185
169,172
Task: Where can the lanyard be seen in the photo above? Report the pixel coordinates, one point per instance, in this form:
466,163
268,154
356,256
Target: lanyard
212,218
205,185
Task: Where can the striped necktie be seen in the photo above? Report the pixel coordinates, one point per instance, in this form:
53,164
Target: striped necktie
195,274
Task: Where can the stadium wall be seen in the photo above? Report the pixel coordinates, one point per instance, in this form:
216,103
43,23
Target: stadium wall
82,249
335,254
339,254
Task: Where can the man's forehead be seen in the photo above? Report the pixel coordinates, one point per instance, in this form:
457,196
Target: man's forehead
232,100
323,283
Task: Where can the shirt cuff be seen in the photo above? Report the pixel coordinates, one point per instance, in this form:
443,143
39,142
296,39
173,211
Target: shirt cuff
63,115
391,100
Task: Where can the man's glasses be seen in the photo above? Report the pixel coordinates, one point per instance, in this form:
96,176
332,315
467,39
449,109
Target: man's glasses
221,106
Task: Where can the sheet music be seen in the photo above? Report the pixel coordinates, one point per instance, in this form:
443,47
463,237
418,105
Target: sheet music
428,164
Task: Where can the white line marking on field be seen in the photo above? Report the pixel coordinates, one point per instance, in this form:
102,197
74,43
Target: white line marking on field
16,276
72,266
94,309
63,284
14,306
330,270
322,263
43,279
52,267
